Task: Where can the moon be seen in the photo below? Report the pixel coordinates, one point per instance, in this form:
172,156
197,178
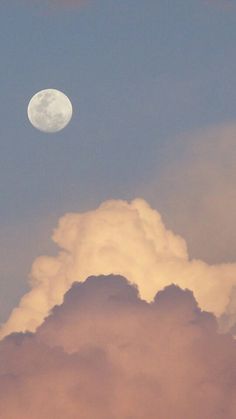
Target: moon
50,110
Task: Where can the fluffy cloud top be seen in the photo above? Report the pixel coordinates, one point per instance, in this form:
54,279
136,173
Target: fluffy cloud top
123,238
106,354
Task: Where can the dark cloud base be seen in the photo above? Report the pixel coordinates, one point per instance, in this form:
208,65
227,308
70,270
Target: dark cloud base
107,354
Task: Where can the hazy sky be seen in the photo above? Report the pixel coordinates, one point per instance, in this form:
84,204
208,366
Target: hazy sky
149,81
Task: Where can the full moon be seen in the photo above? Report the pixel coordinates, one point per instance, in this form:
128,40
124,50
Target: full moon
50,110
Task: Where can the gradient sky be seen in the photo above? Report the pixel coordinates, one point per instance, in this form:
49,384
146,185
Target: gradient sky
144,78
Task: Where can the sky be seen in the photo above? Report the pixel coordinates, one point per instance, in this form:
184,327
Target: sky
145,79
141,183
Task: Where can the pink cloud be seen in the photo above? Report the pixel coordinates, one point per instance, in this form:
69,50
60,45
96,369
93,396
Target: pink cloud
106,353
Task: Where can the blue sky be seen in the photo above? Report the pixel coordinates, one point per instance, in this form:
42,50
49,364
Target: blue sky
139,75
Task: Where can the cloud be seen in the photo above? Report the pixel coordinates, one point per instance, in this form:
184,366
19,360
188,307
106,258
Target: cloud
197,194
123,238
106,354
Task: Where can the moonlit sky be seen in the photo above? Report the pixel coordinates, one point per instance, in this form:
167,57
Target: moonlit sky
149,81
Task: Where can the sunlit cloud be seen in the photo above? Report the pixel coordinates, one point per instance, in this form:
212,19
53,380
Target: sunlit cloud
128,239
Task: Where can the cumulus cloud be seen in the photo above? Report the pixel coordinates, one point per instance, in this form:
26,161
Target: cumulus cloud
106,354
123,238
